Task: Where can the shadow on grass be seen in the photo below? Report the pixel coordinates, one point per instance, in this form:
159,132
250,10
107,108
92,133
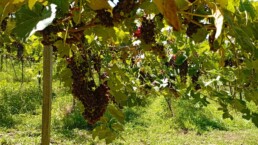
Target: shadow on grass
189,117
71,122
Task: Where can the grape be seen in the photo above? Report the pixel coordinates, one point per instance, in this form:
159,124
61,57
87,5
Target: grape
20,49
191,29
211,40
195,78
137,32
123,8
105,18
183,68
4,24
94,101
159,50
148,30
96,104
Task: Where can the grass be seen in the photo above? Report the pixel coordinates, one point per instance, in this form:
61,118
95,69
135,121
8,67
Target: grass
20,121
156,126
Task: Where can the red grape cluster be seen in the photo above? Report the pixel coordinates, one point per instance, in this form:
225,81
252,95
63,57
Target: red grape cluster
105,18
4,24
20,49
195,78
183,69
191,29
123,9
159,50
148,30
94,99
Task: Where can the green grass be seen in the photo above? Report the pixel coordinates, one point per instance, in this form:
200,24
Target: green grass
20,121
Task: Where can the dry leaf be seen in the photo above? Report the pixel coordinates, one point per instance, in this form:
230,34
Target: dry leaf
168,9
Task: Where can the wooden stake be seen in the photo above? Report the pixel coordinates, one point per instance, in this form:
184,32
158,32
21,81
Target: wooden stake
47,94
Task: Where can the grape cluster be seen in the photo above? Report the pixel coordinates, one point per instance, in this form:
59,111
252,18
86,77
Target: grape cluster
183,69
105,18
96,104
195,78
192,29
20,49
211,40
159,50
4,24
95,101
123,9
148,30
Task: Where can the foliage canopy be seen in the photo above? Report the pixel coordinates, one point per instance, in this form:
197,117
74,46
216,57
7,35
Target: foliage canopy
116,54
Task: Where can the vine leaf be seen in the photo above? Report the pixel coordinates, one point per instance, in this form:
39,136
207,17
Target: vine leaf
183,4
200,35
168,8
63,49
29,21
118,114
98,4
255,119
31,3
248,7
222,3
62,6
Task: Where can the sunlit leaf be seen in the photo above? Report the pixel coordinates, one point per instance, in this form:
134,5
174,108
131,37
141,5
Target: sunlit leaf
28,21
31,3
98,4
222,3
118,114
200,35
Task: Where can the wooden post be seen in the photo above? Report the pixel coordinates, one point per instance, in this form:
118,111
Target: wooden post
47,94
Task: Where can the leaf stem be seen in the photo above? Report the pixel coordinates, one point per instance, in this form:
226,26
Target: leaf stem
193,14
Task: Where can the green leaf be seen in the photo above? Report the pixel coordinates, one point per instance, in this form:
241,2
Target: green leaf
227,115
248,7
63,49
110,137
222,3
117,127
246,114
232,5
103,33
255,119
29,21
118,114
200,35
100,131
180,58
183,4
119,95
238,104
62,6
31,3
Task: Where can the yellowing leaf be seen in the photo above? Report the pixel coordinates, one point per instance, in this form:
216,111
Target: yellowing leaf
168,9
183,4
31,3
98,4
17,1
222,3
